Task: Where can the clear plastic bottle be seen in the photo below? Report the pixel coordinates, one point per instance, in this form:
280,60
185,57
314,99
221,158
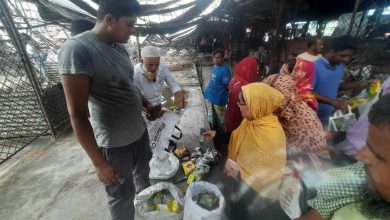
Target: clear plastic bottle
201,140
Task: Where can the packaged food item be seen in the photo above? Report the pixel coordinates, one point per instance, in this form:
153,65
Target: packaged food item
211,155
355,102
181,152
170,202
161,201
188,167
162,208
173,206
204,162
191,178
201,144
149,206
196,153
157,198
201,169
208,201
374,88
201,140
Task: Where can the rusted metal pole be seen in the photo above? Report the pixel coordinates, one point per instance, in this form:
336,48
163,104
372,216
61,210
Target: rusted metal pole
138,47
7,20
352,22
275,38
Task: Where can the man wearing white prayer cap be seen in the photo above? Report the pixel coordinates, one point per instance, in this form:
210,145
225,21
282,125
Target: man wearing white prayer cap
150,75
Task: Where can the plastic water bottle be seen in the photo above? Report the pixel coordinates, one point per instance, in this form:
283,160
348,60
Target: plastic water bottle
201,141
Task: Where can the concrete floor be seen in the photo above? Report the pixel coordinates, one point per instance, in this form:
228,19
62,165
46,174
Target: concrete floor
51,180
54,179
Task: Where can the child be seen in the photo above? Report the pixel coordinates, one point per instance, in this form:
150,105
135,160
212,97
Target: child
216,93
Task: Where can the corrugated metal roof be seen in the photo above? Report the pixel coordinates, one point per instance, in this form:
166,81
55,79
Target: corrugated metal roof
164,15
71,6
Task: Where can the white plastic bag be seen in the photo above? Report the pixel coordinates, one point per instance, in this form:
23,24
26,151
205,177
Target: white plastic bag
163,168
194,212
340,121
290,191
160,131
143,196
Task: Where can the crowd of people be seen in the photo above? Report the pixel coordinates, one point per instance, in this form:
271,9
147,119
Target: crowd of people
259,126
284,117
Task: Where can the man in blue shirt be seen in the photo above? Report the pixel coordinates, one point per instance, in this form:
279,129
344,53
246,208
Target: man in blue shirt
329,75
216,93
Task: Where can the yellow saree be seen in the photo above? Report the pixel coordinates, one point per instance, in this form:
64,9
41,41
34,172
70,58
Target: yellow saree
259,146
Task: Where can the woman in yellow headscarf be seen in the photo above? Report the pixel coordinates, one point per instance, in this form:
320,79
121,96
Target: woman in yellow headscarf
258,145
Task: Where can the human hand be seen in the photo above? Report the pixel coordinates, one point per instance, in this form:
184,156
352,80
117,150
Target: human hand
366,83
154,112
209,135
329,135
232,169
179,104
341,104
179,100
155,115
106,173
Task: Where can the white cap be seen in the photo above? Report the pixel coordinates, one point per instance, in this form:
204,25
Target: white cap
150,51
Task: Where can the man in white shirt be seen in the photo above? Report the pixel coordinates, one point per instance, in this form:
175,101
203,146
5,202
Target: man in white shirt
314,50
150,75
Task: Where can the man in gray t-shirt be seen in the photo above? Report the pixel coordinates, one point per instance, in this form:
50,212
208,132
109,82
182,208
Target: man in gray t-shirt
97,75
114,101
